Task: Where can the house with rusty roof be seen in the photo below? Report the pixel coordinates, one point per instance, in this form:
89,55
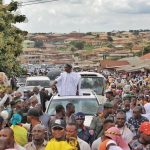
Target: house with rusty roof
111,65
136,64
146,56
137,48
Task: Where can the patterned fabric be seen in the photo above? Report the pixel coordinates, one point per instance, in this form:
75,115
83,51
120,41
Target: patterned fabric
131,127
115,135
136,145
145,128
112,132
136,123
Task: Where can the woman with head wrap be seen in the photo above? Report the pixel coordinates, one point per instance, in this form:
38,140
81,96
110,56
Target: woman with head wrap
143,141
113,140
20,133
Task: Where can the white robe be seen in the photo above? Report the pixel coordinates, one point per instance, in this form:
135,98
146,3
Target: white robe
67,84
126,134
147,109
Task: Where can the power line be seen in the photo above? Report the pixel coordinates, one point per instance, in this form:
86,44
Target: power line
33,3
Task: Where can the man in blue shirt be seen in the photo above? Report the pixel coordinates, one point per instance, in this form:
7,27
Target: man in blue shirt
83,131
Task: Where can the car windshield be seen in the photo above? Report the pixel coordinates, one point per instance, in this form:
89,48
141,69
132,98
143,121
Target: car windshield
94,83
42,83
53,74
23,80
87,106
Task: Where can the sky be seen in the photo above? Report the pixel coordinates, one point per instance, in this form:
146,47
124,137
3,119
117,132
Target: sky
64,16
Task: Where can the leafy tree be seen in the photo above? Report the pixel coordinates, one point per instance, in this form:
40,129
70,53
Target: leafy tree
130,46
109,34
89,33
110,38
136,32
78,44
97,35
146,49
11,39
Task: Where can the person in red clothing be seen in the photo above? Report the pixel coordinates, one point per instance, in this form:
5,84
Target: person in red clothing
113,139
143,142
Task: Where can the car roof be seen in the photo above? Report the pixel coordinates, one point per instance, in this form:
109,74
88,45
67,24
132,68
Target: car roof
84,94
37,78
94,74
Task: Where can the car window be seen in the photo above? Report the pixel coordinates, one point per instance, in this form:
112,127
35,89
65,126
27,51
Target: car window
53,74
87,106
94,83
43,83
19,80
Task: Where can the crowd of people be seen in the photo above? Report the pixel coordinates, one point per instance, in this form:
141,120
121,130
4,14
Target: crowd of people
122,122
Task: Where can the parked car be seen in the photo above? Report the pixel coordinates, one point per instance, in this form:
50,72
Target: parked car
41,81
88,103
94,81
21,81
53,74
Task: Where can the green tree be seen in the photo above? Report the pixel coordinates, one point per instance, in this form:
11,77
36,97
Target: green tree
130,46
11,39
146,49
109,34
97,35
109,38
89,33
78,44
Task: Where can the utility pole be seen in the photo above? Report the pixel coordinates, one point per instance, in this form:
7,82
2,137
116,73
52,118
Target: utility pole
142,45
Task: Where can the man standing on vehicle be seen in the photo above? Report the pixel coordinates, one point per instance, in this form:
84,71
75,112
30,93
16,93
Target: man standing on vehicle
68,83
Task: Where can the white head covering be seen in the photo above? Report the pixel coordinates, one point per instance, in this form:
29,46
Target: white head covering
115,148
147,108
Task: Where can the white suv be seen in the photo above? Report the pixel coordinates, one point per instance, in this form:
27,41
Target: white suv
94,81
88,103
39,81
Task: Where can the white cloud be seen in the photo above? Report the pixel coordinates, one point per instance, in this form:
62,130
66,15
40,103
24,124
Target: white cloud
86,15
